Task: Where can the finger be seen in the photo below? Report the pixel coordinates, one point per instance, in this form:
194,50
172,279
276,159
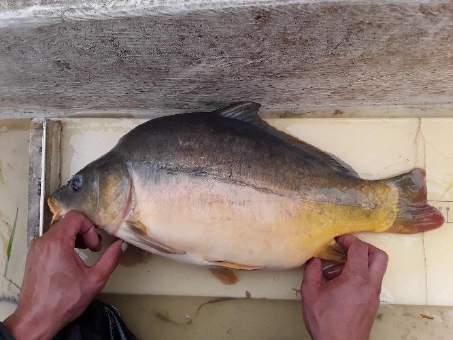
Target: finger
331,270
87,240
346,240
378,261
312,278
72,224
75,224
357,259
108,262
372,252
88,235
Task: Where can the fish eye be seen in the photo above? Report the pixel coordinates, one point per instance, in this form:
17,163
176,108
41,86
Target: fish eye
76,183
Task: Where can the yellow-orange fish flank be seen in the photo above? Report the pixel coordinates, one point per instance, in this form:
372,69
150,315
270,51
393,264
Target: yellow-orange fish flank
225,189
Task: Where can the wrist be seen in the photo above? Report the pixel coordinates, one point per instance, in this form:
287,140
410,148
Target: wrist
337,336
24,327
328,337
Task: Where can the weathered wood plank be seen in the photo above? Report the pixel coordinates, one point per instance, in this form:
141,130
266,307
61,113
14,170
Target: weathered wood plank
339,58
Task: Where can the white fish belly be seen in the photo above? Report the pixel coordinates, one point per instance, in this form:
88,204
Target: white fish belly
214,221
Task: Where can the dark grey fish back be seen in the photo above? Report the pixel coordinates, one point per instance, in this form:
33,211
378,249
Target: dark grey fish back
228,149
248,112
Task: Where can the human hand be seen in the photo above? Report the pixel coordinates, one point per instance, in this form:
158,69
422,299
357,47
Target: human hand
58,285
345,307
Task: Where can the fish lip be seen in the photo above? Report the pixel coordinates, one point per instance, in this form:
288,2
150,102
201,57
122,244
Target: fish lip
55,208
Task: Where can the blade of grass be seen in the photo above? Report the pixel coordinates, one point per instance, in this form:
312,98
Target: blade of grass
10,242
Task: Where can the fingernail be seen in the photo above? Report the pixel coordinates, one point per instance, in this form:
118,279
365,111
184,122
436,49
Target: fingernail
124,246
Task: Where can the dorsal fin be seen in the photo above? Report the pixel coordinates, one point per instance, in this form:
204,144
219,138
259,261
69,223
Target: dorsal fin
244,111
248,112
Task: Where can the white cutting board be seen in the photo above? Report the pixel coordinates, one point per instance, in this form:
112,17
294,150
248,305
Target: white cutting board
420,269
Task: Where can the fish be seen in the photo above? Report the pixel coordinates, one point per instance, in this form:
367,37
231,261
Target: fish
226,190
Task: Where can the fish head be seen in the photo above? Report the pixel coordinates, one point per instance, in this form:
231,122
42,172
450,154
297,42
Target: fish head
80,193
102,191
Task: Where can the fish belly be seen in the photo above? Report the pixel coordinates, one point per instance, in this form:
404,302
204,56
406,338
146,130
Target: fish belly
210,221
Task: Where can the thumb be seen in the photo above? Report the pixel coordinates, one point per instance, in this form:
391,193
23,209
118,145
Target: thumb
312,277
108,261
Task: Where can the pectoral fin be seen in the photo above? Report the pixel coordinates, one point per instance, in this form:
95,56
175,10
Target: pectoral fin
137,227
139,233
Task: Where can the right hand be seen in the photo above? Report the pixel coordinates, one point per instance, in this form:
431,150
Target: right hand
58,285
345,307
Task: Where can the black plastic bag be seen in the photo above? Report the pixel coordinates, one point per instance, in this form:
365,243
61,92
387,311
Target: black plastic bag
98,322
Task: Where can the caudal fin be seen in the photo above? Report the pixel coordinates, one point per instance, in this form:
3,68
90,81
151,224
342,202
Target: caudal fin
415,215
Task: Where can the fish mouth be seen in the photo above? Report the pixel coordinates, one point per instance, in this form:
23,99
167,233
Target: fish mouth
55,209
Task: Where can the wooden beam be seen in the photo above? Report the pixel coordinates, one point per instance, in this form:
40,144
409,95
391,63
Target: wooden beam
343,58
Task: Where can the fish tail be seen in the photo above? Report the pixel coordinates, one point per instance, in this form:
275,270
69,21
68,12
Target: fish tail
415,215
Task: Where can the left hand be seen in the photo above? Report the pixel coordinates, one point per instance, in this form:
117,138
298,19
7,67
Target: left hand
344,308
58,285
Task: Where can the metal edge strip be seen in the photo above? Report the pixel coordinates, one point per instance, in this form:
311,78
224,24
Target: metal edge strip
43,191
44,172
34,179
